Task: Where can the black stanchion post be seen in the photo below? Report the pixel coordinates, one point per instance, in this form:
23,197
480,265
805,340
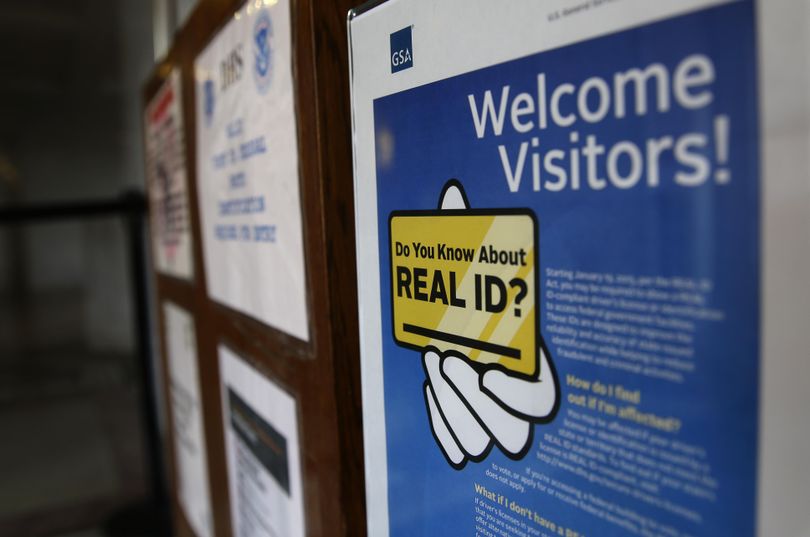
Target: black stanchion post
152,518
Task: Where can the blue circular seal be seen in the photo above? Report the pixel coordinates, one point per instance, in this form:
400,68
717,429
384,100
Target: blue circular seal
262,60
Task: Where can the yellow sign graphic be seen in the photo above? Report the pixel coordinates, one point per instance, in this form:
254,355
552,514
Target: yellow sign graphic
466,281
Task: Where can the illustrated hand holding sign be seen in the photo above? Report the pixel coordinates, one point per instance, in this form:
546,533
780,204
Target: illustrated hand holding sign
465,294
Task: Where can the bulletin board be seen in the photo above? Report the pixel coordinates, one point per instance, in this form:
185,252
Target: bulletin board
312,368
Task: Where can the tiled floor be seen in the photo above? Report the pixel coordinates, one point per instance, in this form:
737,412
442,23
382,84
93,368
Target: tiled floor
61,454
71,451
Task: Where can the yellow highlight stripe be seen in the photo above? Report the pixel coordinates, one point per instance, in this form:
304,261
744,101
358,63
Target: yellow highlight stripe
496,319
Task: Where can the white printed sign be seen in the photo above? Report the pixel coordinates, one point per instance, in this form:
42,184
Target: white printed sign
247,161
166,176
262,449
189,439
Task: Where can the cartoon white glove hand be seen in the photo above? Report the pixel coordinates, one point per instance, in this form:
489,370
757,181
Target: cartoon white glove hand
470,410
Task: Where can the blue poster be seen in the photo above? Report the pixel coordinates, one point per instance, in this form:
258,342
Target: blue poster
569,258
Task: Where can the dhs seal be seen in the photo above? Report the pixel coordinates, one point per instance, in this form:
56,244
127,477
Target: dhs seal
262,61
208,100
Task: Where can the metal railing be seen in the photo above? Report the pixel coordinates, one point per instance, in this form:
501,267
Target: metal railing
131,207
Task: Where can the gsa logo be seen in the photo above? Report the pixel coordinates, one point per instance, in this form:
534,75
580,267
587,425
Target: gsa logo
208,100
401,50
262,32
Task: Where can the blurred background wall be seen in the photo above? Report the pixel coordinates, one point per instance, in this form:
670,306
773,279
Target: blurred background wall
70,130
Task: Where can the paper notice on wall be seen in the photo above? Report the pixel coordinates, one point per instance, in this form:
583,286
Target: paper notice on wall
247,166
166,178
558,221
262,449
191,461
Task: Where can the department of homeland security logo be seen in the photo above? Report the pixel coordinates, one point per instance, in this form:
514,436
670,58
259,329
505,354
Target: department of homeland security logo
208,100
262,32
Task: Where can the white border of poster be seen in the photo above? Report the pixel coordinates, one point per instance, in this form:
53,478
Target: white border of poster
247,168
191,459
486,33
268,500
